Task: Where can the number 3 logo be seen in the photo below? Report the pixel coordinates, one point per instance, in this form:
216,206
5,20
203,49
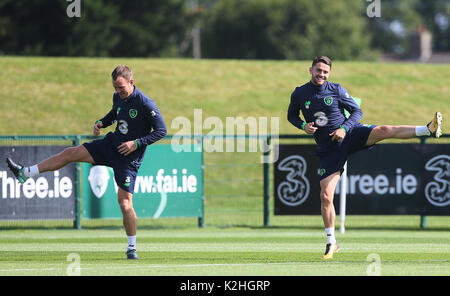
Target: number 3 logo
123,127
321,119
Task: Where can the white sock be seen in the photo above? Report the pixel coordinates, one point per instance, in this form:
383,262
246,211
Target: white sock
31,171
422,131
132,242
331,239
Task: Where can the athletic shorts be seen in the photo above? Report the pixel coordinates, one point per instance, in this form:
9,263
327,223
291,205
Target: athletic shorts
104,152
334,158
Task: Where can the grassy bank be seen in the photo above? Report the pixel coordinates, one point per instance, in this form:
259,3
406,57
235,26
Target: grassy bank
66,95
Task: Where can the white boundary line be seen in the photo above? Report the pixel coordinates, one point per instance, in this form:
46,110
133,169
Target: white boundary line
63,268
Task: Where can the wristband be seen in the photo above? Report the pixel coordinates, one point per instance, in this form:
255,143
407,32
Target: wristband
342,127
98,122
136,143
303,125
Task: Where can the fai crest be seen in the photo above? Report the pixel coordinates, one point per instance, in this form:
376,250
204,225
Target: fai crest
133,113
328,101
98,179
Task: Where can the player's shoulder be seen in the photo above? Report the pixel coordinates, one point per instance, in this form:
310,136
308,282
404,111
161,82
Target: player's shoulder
144,100
336,88
301,90
142,97
304,87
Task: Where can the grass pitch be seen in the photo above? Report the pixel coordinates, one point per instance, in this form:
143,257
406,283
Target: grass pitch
66,95
230,251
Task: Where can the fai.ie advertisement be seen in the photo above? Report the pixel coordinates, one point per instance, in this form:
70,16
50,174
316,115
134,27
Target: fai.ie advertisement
168,184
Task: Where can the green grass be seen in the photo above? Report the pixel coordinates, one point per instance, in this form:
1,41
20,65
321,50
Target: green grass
230,251
66,95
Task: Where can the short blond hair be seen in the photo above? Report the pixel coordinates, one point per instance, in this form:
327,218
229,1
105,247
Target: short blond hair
122,70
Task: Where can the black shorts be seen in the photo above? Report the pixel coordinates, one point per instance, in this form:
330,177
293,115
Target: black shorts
104,152
333,159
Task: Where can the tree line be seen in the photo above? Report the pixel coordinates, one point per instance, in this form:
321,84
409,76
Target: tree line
239,29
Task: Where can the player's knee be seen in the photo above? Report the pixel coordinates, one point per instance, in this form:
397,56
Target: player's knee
326,198
385,131
69,154
125,204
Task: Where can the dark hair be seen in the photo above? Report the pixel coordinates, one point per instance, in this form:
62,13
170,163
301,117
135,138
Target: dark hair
322,59
123,71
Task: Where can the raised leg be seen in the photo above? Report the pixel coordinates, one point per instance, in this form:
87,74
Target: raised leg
68,155
383,132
